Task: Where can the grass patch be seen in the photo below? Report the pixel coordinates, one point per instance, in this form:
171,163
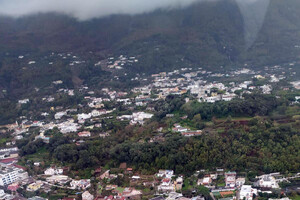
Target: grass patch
40,155
146,190
187,185
297,197
119,189
3,141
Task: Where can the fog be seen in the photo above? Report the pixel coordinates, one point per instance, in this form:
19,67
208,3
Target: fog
87,9
253,11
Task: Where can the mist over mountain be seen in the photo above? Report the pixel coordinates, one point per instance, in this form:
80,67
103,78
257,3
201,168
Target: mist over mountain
89,9
210,33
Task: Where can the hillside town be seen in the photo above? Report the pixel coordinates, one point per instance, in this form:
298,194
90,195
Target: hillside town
92,118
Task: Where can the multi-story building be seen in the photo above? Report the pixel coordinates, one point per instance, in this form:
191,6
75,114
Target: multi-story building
230,178
10,174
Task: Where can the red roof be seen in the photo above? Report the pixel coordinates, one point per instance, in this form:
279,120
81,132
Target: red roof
13,187
84,133
98,170
110,197
20,167
166,180
8,160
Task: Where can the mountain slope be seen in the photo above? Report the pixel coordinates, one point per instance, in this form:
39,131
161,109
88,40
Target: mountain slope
207,34
199,32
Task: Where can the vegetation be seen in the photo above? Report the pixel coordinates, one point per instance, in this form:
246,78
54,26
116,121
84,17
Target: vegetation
261,143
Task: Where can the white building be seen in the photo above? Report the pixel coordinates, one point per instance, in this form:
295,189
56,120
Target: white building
23,101
165,173
68,127
3,195
174,196
138,117
53,171
84,116
95,113
59,115
9,175
247,192
82,184
267,181
212,99
87,196
230,178
166,186
240,182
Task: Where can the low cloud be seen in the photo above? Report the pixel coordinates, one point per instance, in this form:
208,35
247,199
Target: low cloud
253,11
87,9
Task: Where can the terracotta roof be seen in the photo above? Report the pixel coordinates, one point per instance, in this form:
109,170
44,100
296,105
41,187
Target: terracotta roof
13,187
8,160
20,167
123,166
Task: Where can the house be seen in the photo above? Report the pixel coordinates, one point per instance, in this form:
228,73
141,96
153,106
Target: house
165,173
104,175
60,179
87,196
166,186
178,184
52,171
35,186
247,192
166,182
192,133
136,177
198,198
158,198
43,137
3,155
68,198
111,187
123,166
82,184
13,187
170,115
179,128
84,116
104,134
267,181
23,101
206,181
59,115
174,196
84,134
230,178
3,195
213,176
131,193
129,170
240,182
36,198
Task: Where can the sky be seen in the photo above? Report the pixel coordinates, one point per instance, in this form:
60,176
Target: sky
253,11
